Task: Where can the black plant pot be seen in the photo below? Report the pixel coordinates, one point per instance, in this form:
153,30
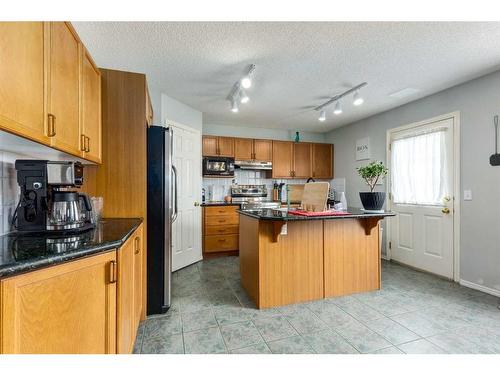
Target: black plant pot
372,201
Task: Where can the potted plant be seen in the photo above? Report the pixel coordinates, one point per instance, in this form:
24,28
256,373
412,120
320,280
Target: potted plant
372,173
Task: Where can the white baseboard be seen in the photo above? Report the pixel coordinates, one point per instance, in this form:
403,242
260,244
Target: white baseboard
482,288
384,257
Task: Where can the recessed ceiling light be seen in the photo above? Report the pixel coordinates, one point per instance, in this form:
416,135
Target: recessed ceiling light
404,93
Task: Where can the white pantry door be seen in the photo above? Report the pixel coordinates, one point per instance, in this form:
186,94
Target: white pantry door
186,229
422,195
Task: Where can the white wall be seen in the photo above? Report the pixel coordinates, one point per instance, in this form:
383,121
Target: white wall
173,110
478,101
264,133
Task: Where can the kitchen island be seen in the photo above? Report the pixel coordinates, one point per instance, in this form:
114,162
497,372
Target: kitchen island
287,259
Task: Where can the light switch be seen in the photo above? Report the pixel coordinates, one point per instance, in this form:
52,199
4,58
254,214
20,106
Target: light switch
467,195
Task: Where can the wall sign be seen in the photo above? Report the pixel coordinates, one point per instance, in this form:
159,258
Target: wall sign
363,149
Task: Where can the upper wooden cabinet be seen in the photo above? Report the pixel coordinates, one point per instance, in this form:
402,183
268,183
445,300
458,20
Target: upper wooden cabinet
64,309
322,160
262,150
253,149
91,137
218,146
282,159
149,108
22,85
64,92
50,90
243,149
302,166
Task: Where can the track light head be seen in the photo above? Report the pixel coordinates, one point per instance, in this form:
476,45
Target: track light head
338,108
357,99
234,106
322,116
244,97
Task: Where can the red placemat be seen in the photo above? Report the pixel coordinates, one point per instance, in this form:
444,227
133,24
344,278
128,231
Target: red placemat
321,213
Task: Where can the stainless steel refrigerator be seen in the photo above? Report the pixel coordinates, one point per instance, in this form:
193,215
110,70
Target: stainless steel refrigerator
162,212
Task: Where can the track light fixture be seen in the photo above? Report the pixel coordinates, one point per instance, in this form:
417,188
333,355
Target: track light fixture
322,116
338,108
357,100
238,92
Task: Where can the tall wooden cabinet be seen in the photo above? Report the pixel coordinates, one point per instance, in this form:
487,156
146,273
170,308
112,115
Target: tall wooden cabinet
282,159
302,160
322,160
69,308
22,79
50,90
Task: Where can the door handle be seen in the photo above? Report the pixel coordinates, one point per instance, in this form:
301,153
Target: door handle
51,125
174,216
113,272
445,210
196,204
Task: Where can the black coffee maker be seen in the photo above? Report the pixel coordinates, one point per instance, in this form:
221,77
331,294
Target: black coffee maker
45,203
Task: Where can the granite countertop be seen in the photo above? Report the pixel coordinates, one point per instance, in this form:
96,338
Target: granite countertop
218,203
22,252
271,214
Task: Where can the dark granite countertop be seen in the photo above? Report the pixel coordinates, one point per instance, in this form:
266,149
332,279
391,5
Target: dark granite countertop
21,252
218,203
271,214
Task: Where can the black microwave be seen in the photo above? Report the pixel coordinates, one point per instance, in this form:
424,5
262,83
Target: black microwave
218,166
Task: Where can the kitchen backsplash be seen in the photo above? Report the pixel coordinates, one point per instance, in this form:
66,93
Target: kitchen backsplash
245,177
9,189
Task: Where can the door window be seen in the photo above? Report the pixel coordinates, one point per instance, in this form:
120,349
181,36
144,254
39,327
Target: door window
419,168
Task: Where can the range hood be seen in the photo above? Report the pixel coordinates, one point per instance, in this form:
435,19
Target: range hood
253,164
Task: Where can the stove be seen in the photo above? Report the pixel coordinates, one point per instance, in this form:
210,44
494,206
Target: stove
252,197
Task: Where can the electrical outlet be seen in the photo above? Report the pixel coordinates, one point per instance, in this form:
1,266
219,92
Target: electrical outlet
467,195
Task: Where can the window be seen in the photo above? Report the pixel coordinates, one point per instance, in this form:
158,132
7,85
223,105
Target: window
418,168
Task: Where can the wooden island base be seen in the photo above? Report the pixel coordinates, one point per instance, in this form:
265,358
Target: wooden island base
313,260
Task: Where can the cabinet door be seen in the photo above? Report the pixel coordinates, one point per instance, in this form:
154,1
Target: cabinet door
64,88
149,109
22,89
225,146
302,160
243,149
322,160
64,309
262,150
138,256
91,109
125,327
282,159
209,145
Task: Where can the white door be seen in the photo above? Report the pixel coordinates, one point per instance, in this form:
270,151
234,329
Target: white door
186,229
422,169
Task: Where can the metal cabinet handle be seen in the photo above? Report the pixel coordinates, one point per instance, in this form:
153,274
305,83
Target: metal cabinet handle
51,125
137,241
113,272
87,148
82,143
222,240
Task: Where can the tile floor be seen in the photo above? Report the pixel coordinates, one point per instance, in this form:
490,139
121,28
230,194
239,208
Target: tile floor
413,313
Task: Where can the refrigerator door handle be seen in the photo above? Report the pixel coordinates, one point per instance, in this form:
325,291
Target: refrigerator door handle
174,215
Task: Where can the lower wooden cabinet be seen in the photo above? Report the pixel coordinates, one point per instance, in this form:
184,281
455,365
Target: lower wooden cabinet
88,306
220,229
68,308
129,305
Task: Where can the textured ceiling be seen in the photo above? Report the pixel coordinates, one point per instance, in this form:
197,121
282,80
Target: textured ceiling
299,65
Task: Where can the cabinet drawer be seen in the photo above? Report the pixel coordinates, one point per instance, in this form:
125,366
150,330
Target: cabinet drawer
222,220
221,243
221,229
221,210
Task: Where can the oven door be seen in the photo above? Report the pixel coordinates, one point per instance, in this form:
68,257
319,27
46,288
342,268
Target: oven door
216,166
